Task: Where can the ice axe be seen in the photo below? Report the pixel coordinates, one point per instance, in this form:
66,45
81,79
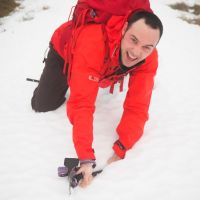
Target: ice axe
70,169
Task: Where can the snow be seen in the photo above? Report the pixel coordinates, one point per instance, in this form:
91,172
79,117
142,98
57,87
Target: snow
163,165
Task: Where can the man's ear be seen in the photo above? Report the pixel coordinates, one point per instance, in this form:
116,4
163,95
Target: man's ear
124,29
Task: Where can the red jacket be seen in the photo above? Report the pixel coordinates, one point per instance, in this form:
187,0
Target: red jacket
92,66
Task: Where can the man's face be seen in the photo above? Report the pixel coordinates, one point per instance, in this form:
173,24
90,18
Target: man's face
137,42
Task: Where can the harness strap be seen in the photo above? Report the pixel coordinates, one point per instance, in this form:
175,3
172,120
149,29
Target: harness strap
121,81
112,88
77,26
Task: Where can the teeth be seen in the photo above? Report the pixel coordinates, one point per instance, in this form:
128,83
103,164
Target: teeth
132,57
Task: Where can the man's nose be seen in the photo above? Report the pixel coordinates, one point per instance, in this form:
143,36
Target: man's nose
137,51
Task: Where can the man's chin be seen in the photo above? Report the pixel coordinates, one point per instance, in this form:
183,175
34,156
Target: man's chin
129,64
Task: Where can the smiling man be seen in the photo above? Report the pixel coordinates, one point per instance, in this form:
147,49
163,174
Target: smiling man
138,42
101,55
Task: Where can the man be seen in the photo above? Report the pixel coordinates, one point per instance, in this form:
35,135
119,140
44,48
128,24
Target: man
101,55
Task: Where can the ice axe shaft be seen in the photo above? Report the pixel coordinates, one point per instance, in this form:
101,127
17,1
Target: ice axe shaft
32,80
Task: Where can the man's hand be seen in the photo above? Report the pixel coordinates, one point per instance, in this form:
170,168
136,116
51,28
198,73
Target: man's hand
113,158
86,170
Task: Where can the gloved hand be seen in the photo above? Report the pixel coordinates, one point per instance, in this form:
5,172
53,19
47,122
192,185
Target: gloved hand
86,169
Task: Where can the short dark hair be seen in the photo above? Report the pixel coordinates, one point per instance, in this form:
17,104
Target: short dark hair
150,19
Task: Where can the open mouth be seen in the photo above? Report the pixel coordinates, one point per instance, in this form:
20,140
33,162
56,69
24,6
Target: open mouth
130,57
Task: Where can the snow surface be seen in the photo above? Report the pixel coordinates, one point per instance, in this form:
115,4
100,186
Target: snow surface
163,165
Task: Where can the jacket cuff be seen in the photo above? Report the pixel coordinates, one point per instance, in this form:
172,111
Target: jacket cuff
88,161
119,149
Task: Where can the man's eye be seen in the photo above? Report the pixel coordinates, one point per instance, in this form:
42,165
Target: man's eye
147,48
134,40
